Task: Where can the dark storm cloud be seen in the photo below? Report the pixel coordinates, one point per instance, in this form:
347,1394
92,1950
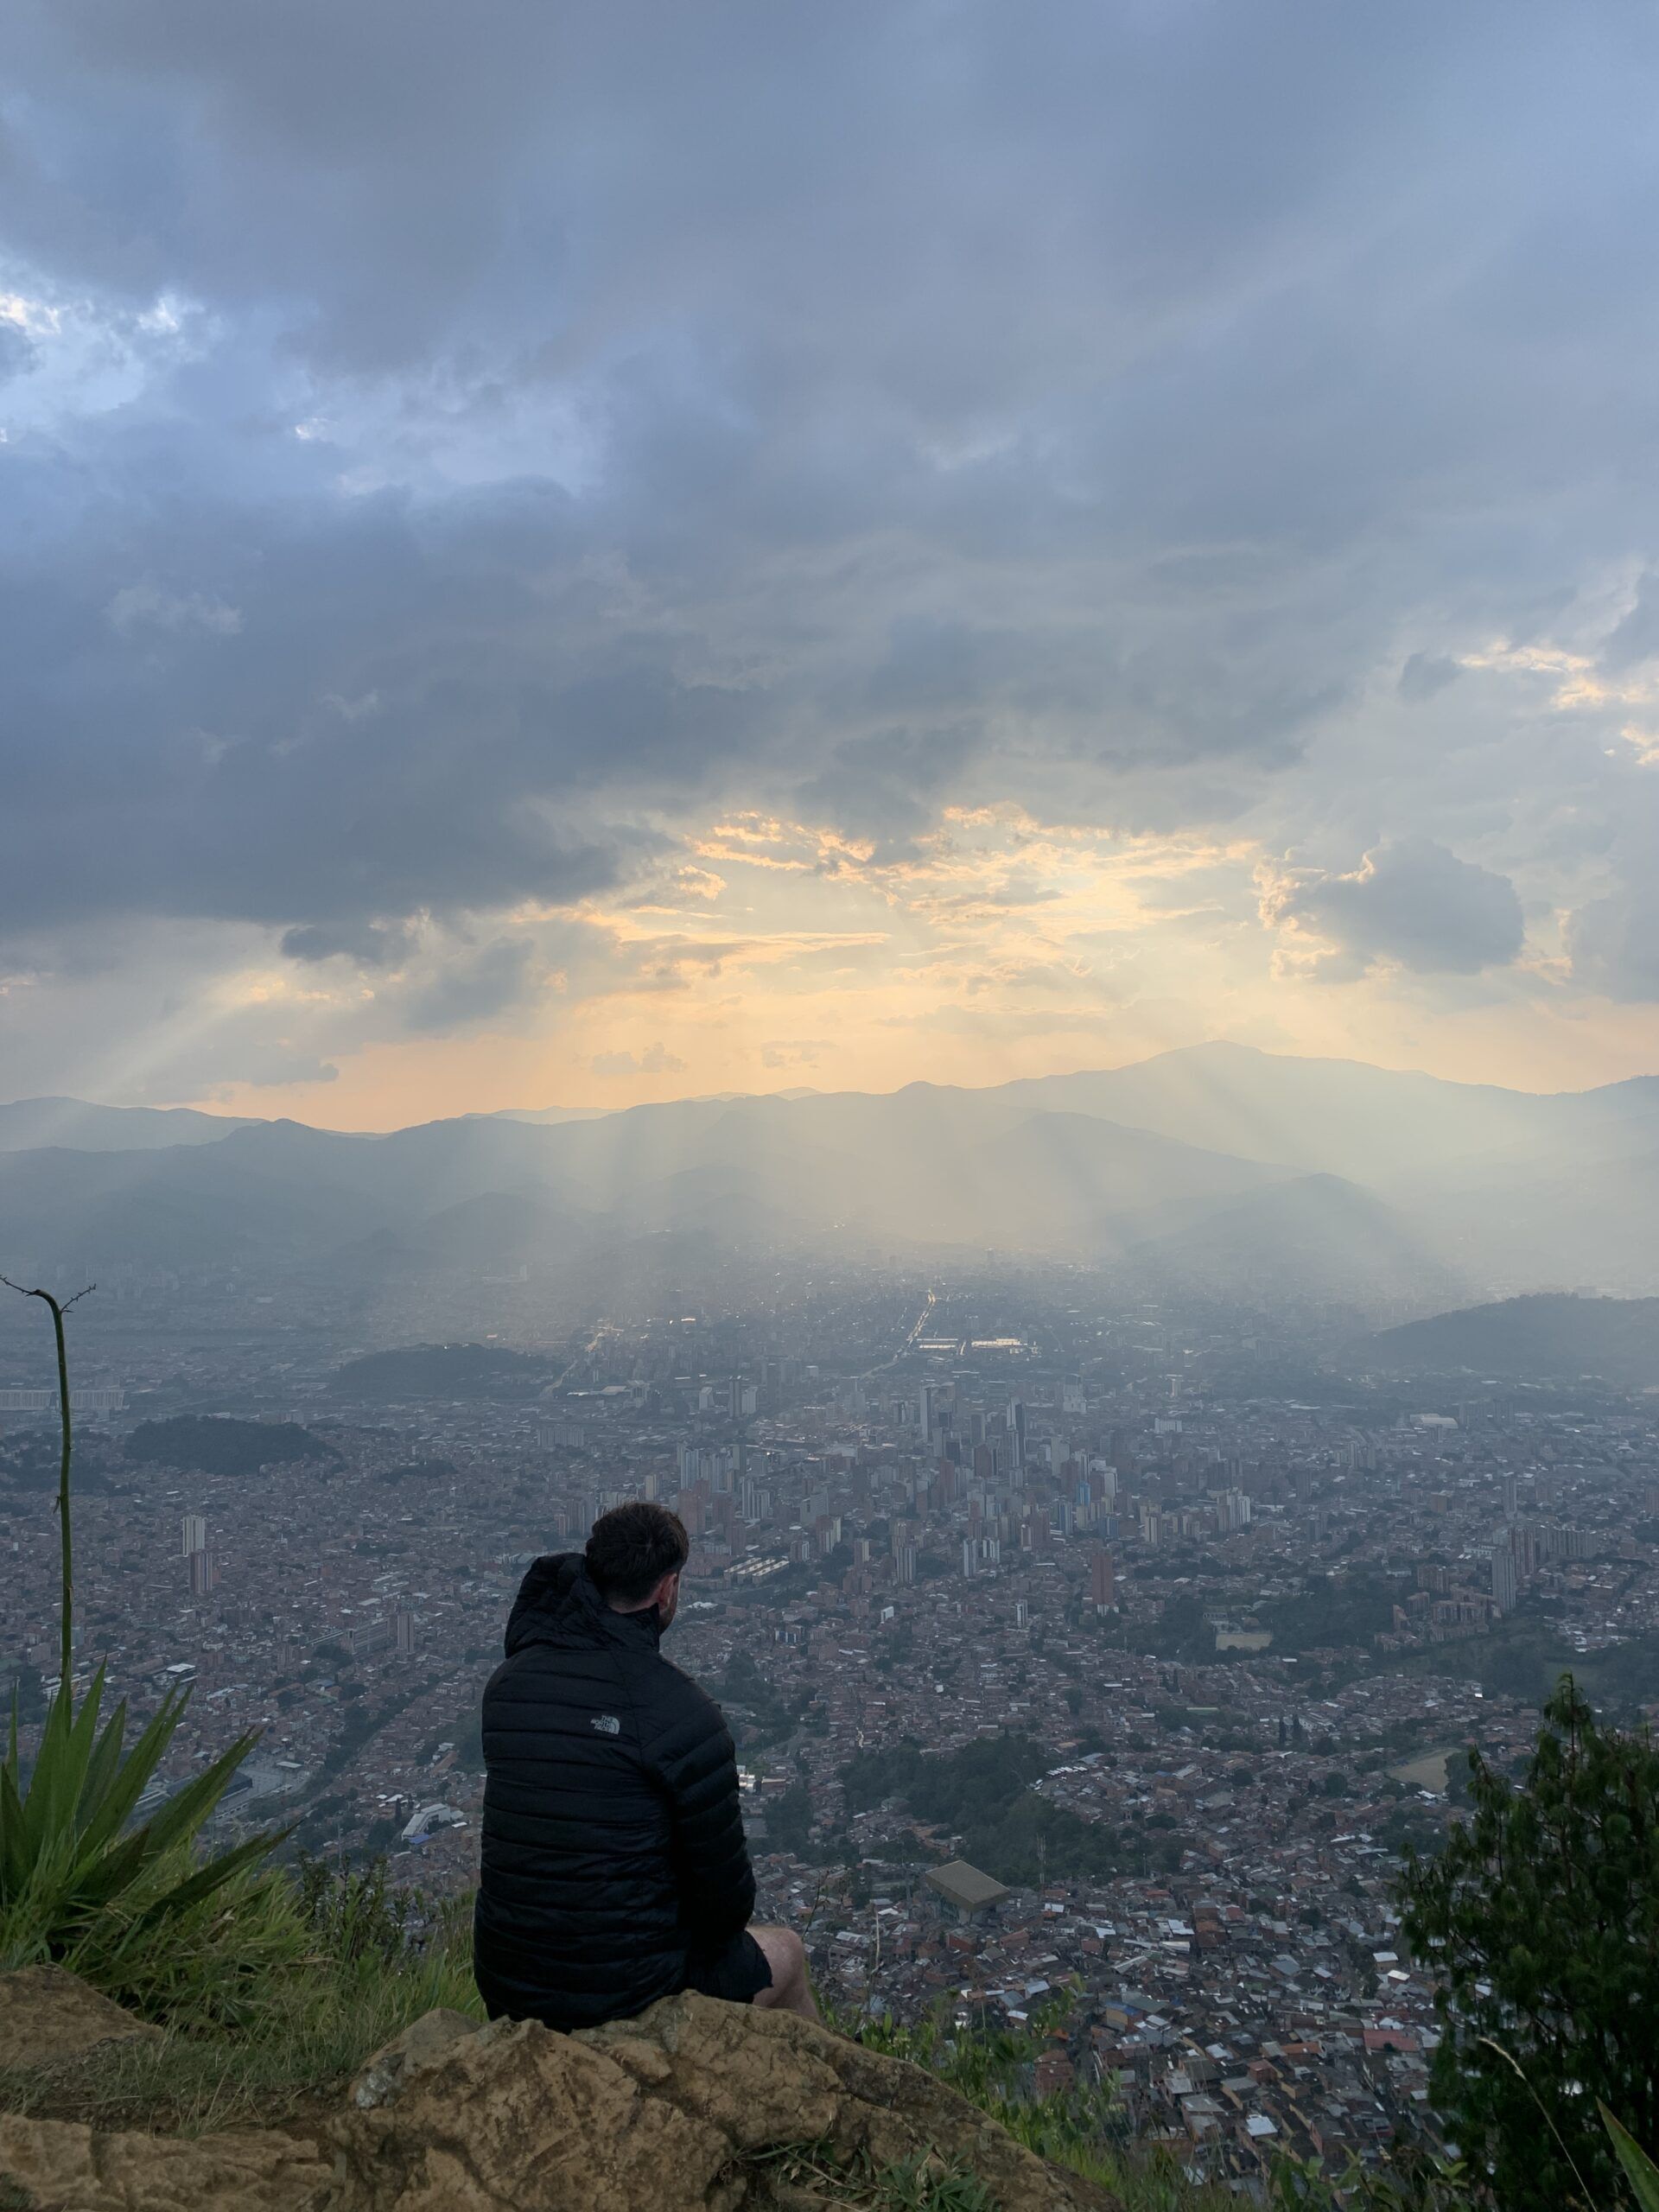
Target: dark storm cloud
405,711
1410,901
476,986
452,445
369,944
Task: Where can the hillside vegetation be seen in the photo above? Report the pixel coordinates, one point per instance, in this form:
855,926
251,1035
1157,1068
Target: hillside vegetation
216,1444
441,1371
1548,1338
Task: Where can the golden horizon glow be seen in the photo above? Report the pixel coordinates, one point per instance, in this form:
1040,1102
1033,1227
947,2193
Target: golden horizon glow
774,956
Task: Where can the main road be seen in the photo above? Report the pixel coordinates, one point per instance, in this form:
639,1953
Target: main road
918,1328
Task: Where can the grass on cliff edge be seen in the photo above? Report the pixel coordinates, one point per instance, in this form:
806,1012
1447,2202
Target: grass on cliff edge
1082,2127
373,1961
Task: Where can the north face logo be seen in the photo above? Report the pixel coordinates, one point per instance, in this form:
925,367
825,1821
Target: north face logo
606,1723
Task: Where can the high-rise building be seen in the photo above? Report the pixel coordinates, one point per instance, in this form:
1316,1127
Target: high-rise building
407,1637
927,1411
195,1534
204,1573
1232,1509
1103,1580
1503,1579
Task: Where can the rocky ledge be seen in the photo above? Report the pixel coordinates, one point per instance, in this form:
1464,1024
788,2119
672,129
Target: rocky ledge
692,2107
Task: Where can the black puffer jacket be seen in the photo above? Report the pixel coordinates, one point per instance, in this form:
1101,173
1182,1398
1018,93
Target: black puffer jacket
612,1838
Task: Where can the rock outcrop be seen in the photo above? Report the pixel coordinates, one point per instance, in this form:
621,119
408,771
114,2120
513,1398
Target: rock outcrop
52,2165
696,2107
47,2015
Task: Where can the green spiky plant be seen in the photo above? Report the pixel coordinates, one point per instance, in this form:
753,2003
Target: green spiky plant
138,1911
1639,2169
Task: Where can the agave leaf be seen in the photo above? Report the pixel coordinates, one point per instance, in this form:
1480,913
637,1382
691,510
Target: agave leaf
185,1810
101,1769
101,1875
15,1856
1639,2169
205,1879
106,1872
49,1757
65,1749
129,1784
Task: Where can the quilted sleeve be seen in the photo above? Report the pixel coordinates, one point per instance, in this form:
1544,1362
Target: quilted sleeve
696,1762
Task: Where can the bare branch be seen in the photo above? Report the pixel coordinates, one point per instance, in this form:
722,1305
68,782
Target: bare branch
62,1303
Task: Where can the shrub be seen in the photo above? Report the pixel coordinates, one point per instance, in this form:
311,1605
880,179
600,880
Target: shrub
136,1912
366,1962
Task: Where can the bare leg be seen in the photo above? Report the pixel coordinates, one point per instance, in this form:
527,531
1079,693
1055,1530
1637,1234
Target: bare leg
786,1956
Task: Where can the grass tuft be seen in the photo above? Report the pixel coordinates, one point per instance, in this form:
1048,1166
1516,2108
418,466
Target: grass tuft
363,1964
925,2182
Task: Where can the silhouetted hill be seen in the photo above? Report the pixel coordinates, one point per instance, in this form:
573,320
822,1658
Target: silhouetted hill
214,1444
442,1371
1546,1338
1317,1237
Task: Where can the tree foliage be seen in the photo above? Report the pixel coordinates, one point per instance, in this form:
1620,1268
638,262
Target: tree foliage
981,1792
214,1444
1541,1918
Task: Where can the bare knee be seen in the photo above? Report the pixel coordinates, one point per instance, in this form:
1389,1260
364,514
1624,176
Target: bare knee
786,1954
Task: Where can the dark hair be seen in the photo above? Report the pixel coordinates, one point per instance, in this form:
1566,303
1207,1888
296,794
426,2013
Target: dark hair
632,1547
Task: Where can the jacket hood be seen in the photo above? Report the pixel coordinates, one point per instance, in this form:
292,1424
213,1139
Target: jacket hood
558,1603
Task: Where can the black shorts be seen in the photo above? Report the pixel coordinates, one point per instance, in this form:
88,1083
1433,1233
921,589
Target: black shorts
738,1971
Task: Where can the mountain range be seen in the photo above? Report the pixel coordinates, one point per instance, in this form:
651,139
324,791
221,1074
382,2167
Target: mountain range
1216,1164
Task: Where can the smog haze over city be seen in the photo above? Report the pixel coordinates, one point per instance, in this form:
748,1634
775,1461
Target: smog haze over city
892,771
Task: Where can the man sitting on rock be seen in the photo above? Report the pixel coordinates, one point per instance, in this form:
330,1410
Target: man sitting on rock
615,1870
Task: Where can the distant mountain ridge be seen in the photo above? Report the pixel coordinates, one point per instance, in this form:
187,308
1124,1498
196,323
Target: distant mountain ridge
1342,1118
1214,1164
29,1124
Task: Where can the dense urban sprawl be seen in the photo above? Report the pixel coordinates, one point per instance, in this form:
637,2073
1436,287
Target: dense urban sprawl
1072,1644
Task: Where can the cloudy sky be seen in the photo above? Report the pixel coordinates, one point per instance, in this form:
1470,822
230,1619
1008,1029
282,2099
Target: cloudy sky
557,553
